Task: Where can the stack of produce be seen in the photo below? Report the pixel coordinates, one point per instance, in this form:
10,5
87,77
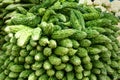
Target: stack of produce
58,40
106,5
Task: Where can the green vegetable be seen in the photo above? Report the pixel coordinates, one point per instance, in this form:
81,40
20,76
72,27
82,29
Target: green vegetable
93,50
41,11
32,77
60,67
79,35
108,31
72,52
7,61
65,58
10,64
68,67
79,75
14,6
96,71
95,57
102,39
7,78
16,28
61,17
36,65
47,51
99,22
18,34
52,78
114,64
16,60
82,52
76,20
24,37
61,51
75,60
22,10
115,46
54,60
110,16
93,77
48,3
52,44
65,33
23,52
39,72
47,14
21,59
99,29
64,78
92,33
36,33
59,74
50,72
67,4
75,43
85,43
7,2
98,64
78,68
85,78
56,5
29,59
91,16
86,73
25,73
39,57
106,54
102,48
2,76
29,19
6,72
17,68
13,40
57,40
66,43
39,48
70,75
88,66
13,75
33,52
80,18
47,28
47,65
43,41
43,77
86,60
104,71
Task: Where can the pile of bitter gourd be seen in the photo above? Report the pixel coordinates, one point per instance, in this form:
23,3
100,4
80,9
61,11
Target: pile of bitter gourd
57,40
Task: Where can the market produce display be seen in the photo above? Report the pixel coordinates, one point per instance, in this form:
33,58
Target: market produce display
106,5
57,40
